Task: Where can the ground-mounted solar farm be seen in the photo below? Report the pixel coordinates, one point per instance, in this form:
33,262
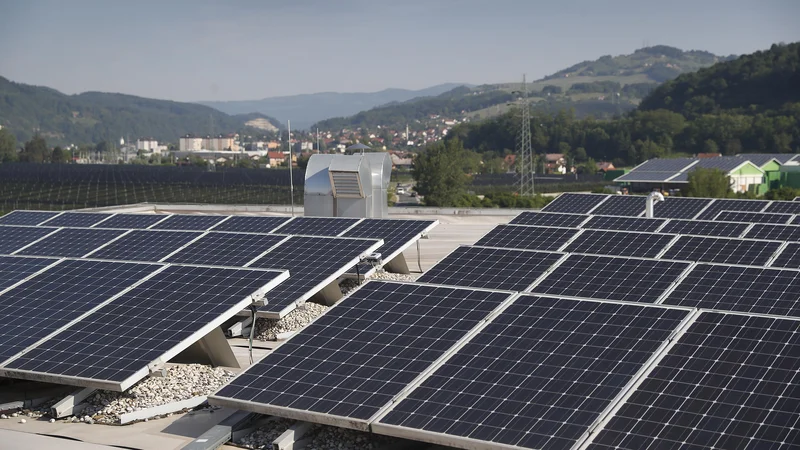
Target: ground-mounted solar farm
584,325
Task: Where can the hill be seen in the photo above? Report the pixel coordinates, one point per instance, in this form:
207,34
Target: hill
303,110
92,117
602,88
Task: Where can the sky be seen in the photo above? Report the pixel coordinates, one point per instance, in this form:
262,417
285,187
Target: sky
195,50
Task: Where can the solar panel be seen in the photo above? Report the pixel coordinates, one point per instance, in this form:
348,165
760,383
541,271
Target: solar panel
40,306
664,165
14,269
788,257
752,217
622,205
20,217
736,288
491,268
76,219
71,242
188,222
112,346
786,207
317,226
251,224
639,175
680,208
145,245
397,235
352,361
549,219
724,164
538,376
574,203
312,263
774,232
619,243
612,278
527,237
729,382
720,204
705,228
796,220
131,221
225,249
623,223
722,250
13,238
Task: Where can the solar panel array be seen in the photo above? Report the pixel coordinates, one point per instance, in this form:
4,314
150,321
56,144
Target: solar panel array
753,217
722,250
680,208
527,237
619,243
26,217
621,205
623,223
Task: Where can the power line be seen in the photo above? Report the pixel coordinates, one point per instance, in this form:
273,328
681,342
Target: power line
525,158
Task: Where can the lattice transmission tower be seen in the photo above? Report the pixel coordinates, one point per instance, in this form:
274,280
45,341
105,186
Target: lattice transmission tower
526,166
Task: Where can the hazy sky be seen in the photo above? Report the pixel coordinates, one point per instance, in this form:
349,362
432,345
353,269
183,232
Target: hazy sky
250,49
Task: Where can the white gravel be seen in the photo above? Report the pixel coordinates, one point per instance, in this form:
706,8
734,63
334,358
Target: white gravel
381,274
263,437
268,329
181,383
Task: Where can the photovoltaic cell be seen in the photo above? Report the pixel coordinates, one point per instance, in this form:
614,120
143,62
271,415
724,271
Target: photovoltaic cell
612,278
680,208
144,245
355,358
490,268
731,205
14,269
539,374
20,217
789,257
785,207
71,242
188,222
317,226
157,316
705,228
251,224
619,243
396,234
310,261
722,250
225,249
621,205
549,219
526,237
638,175
574,203
664,165
736,288
729,382
14,238
774,232
75,219
623,223
796,220
131,221
724,164
753,217
50,300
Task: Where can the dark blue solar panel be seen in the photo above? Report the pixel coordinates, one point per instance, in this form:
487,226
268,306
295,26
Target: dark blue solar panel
619,243
705,228
723,163
527,237
71,242
145,245
679,207
574,203
491,268
397,234
14,269
613,278
355,358
730,382
26,217
76,219
14,238
50,300
752,217
131,221
639,175
788,257
251,224
785,207
549,219
188,222
539,374
317,226
621,205
722,250
664,165
623,223
721,204
774,232
226,249
159,315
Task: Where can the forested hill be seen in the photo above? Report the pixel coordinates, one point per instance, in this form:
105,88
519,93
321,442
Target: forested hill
761,81
92,117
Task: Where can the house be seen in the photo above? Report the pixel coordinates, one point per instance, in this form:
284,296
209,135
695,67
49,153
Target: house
510,160
276,158
605,166
555,163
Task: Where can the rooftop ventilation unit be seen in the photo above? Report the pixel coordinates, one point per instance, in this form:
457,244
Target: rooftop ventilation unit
348,185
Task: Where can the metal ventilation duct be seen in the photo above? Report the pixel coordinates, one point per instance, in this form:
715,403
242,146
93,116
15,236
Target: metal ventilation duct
348,185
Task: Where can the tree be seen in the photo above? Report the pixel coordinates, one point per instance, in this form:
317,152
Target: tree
439,173
710,146
35,151
782,193
8,146
710,183
59,156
